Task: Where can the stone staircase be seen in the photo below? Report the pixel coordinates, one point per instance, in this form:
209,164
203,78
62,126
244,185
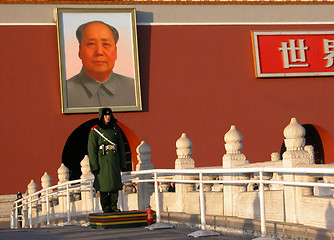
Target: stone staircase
6,204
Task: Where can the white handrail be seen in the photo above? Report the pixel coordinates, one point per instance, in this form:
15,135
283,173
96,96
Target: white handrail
329,170
261,182
44,193
153,177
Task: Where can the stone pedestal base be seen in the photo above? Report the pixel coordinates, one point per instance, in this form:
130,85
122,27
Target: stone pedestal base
118,219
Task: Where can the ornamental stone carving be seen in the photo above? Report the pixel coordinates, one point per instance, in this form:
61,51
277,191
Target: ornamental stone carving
144,190
184,152
233,146
233,140
85,168
46,180
184,145
310,150
234,157
295,154
275,156
144,157
32,187
294,135
63,173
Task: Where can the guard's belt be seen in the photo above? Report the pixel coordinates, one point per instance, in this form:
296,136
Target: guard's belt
108,147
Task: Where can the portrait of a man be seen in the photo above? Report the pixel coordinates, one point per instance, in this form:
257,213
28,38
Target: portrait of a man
97,84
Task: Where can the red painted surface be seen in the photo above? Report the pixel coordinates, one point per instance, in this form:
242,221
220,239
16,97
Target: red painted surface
195,79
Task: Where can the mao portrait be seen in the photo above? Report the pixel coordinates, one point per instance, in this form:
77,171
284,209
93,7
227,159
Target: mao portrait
101,68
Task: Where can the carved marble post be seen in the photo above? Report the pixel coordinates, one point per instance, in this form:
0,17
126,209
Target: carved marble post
329,179
275,156
24,211
32,187
295,154
144,190
233,159
63,176
307,191
184,152
183,161
85,168
310,150
46,182
86,197
32,208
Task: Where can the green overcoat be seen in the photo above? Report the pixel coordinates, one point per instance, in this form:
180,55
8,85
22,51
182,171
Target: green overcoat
108,167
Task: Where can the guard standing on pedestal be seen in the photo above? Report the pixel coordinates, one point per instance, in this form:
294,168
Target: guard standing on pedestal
107,158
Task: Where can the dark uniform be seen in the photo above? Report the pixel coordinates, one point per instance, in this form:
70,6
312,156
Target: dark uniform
107,160
19,209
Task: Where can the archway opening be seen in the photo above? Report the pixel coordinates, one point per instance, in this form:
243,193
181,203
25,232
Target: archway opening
313,138
75,149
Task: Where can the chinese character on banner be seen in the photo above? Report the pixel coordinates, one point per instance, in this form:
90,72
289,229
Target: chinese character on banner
290,54
294,56
329,50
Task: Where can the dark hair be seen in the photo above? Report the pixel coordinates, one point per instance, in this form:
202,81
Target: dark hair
81,28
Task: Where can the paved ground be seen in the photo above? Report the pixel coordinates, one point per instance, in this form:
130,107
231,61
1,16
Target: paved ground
86,233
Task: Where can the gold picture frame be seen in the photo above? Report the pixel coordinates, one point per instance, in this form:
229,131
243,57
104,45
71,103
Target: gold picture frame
83,82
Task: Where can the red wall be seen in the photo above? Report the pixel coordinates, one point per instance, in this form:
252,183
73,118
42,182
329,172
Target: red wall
195,79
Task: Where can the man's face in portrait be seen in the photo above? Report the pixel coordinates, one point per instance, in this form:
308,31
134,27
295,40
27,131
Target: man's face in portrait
98,51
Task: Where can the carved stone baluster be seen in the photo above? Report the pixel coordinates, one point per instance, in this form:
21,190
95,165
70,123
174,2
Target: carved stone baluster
46,183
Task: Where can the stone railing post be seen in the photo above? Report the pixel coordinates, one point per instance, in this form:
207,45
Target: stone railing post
24,211
307,191
85,190
208,187
295,155
127,188
63,176
310,150
329,179
233,159
275,156
32,188
144,190
46,182
183,161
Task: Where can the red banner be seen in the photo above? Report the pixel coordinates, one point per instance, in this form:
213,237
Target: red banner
286,54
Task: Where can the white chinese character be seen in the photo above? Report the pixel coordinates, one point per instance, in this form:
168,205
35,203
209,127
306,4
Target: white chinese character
329,49
291,52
